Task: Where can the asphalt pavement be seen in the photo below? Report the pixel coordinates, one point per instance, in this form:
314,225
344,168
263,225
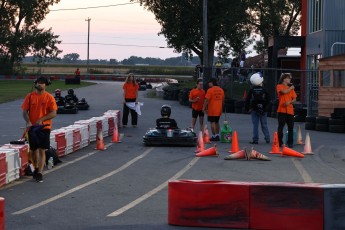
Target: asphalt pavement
125,186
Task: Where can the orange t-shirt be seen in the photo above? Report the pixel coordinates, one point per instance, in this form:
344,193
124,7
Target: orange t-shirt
130,90
215,97
282,108
194,93
38,106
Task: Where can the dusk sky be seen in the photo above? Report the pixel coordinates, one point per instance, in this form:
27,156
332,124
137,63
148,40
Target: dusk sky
125,30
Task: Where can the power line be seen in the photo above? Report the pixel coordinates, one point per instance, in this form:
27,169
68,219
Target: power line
94,7
111,44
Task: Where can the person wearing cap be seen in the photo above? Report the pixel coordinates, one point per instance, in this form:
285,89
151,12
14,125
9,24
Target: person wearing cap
256,103
39,108
285,112
213,107
197,98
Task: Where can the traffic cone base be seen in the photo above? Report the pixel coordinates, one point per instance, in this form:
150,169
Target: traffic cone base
206,136
100,142
256,155
234,145
307,147
242,154
200,145
290,152
275,145
116,137
208,152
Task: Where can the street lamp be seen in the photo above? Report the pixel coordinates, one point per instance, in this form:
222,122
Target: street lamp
88,45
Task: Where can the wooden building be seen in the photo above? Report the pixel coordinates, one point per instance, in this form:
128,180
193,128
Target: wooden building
331,84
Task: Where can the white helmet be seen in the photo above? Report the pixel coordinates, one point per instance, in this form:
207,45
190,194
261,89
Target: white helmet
256,79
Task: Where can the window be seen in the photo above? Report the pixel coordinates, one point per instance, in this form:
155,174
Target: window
315,15
339,78
325,78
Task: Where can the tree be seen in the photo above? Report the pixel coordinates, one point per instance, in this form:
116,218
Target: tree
182,25
72,57
274,18
20,35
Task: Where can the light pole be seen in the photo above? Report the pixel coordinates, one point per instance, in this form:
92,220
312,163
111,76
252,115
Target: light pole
88,45
205,44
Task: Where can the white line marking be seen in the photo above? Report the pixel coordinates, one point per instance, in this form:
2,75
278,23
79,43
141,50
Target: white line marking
155,190
54,198
304,174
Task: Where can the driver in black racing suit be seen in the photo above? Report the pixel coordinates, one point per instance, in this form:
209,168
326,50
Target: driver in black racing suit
165,122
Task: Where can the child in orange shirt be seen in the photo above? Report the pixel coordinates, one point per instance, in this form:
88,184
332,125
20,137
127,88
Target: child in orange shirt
130,94
197,98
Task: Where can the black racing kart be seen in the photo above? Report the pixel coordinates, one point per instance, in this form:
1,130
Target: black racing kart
67,108
170,137
82,104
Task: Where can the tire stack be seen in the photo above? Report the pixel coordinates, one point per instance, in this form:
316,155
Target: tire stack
274,108
229,106
337,121
171,92
310,123
239,106
183,97
322,124
300,114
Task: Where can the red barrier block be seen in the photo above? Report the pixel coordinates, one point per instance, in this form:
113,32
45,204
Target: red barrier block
286,206
334,206
3,169
61,144
208,203
2,213
23,154
76,139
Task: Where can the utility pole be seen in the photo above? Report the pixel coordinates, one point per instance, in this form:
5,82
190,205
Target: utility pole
205,44
88,45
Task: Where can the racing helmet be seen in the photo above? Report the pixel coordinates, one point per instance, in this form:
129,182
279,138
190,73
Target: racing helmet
166,110
256,79
57,93
70,92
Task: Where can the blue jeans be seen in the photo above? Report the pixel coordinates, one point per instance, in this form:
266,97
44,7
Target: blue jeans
262,118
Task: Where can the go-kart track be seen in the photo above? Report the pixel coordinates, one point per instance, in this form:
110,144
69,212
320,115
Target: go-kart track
125,186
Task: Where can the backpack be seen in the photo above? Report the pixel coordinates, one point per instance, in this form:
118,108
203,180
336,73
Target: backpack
259,99
51,152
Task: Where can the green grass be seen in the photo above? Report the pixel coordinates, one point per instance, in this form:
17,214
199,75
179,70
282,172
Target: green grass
11,90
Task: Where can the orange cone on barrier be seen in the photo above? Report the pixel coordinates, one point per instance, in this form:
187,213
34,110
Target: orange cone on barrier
275,145
200,145
100,142
256,155
242,154
116,137
307,147
234,145
208,152
299,140
290,152
206,136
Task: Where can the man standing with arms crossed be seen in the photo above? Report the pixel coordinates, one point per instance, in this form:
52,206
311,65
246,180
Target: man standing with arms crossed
39,108
213,106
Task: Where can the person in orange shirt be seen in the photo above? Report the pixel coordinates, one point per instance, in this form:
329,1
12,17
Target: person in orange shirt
287,96
39,108
130,94
197,98
213,106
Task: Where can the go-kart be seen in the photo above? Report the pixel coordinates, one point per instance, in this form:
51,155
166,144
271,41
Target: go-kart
67,108
170,137
82,104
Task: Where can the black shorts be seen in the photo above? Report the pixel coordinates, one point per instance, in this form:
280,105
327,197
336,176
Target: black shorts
196,113
213,118
41,140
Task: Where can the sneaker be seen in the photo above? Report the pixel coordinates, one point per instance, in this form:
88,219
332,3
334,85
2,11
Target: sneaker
216,138
254,142
34,174
268,141
124,126
134,126
39,177
290,146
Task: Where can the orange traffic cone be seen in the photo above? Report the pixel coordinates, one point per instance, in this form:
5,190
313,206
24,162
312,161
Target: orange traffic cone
299,140
116,137
307,147
242,154
100,142
206,136
290,152
208,152
200,146
256,155
275,145
234,145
